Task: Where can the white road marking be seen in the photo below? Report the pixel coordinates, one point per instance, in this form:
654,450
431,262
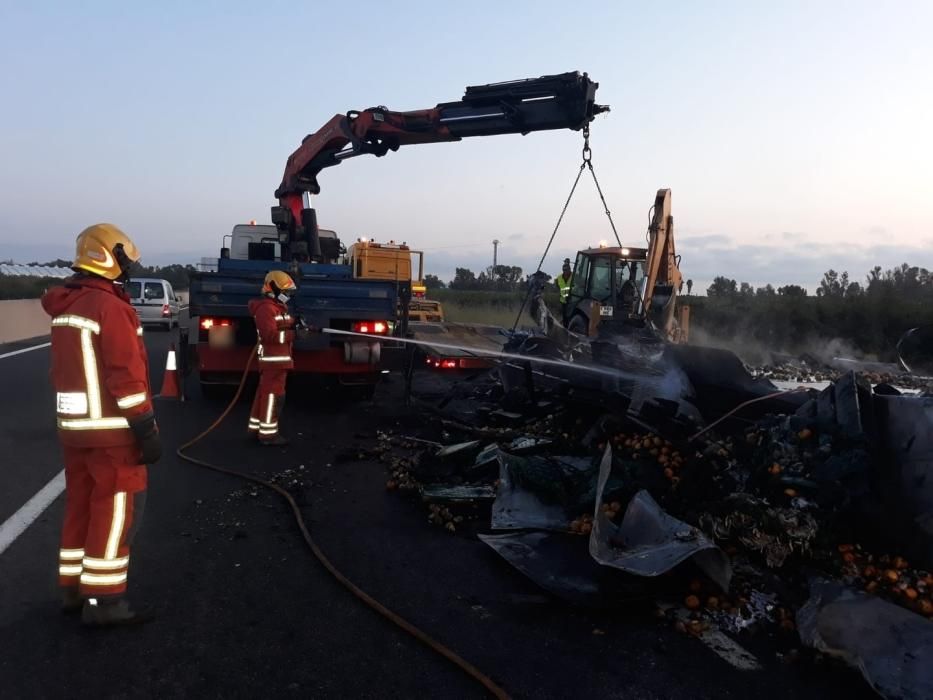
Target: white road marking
17,523
20,352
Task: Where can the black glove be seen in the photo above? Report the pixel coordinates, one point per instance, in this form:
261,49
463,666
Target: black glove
147,435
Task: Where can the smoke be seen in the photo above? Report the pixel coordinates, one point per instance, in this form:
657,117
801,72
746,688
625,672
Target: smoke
755,352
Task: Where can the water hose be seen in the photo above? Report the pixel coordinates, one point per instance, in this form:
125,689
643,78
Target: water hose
495,690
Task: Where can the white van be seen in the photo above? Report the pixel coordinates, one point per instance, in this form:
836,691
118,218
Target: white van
154,300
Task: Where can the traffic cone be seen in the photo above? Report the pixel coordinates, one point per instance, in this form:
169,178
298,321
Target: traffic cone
170,388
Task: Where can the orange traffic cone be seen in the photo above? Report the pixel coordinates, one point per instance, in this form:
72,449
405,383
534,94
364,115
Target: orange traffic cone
170,388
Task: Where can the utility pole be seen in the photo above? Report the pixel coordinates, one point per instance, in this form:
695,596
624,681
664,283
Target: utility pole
495,255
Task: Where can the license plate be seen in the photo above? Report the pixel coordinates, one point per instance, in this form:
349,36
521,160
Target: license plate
605,311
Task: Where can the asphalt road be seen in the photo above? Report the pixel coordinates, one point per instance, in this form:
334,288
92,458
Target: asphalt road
244,611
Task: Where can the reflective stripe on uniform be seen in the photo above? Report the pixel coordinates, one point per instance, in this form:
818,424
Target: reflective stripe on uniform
269,425
139,331
89,402
92,423
77,322
71,554
90,374
263,431
70,570
281,337
118,563
132,400
71,403
281,358
103,579
270,407
116,525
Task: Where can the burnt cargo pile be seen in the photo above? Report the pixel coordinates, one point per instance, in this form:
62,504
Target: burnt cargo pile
767,520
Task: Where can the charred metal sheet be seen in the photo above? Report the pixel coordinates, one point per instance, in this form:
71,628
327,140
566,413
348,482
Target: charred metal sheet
541,492
457,494
915,351
459,451
905,472
891,646
649,542
560,564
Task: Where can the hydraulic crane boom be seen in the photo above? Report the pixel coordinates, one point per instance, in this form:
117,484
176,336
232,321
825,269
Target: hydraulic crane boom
565,101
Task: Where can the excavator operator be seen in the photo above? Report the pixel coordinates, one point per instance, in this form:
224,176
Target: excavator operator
275,328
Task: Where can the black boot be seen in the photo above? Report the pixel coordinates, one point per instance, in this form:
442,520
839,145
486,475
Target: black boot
115,612
277,440
72,600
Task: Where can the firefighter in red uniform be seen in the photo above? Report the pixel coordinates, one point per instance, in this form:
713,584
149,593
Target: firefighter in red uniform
106,425
275,328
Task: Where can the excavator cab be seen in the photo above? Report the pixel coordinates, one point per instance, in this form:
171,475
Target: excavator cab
607,286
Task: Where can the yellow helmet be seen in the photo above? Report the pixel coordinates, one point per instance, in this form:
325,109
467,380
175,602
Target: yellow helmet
277,282
104,250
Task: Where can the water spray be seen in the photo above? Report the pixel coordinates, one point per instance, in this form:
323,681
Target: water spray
501,354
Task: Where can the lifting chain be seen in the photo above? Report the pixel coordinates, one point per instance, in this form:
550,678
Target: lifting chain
587,163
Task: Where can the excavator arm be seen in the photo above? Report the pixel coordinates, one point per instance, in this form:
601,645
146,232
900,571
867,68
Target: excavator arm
565,101
663,273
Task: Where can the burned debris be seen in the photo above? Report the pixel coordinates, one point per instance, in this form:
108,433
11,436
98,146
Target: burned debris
724,501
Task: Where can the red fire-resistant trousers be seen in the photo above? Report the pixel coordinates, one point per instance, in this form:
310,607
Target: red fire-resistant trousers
264,416
104,500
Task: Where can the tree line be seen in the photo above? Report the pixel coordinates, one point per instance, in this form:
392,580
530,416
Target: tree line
906,280
869,316
501,278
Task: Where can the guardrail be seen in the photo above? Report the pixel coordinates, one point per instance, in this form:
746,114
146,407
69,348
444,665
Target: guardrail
21,319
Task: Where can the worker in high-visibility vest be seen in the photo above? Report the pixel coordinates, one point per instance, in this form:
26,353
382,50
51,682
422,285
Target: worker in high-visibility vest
275,327
106,425
563,288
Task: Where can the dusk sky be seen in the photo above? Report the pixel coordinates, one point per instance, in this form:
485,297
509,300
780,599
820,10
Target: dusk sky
795,136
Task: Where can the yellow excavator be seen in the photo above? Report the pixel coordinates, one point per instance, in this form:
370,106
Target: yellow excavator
616,289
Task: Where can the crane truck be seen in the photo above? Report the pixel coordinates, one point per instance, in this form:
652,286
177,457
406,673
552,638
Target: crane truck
331,294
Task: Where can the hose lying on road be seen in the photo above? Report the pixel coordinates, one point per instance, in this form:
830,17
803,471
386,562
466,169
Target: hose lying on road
396,619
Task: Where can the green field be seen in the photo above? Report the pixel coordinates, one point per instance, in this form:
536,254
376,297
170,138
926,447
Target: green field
494,308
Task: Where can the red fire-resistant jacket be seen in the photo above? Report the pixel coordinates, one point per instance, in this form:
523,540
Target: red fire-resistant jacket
100,373
274,325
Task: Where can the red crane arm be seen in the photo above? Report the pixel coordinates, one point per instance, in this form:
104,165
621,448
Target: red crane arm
565,101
